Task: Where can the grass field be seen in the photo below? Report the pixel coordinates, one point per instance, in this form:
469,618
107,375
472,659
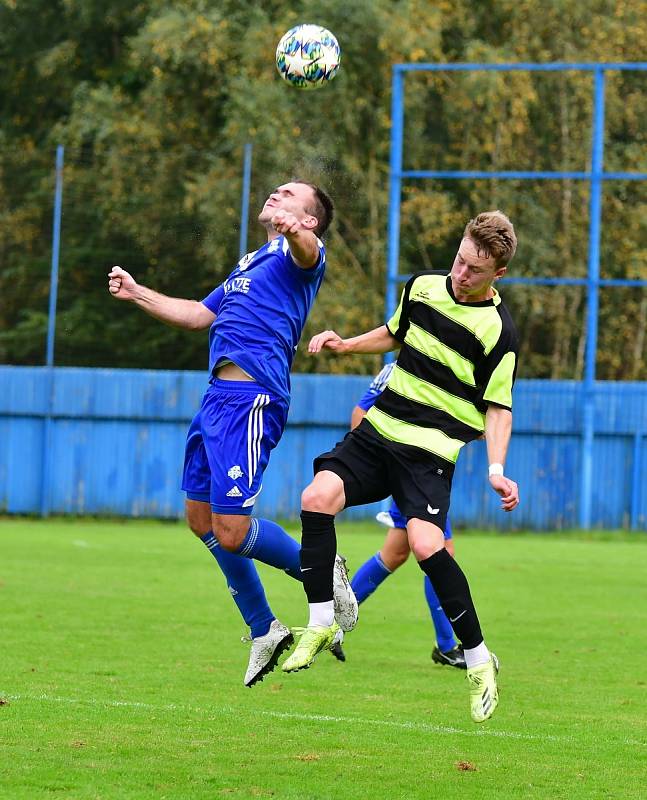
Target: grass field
121,675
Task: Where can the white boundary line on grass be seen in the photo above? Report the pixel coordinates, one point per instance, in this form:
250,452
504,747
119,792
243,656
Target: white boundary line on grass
285,715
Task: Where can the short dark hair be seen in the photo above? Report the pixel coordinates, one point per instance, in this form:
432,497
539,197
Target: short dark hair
322,207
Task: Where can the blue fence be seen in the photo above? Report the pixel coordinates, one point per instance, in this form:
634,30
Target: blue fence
596,176
97,441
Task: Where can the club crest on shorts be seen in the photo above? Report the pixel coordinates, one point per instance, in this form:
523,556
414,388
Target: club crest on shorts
235,472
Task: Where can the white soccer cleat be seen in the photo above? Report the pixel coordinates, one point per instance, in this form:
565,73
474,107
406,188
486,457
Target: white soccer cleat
336,647
266,651
346,607
384,518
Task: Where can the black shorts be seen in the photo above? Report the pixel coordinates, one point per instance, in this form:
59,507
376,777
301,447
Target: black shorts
373,468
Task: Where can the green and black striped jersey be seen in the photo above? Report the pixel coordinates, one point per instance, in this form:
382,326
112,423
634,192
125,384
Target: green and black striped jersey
455,360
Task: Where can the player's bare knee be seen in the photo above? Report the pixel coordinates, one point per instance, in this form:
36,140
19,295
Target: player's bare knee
424,548
198,517
425,539
230,531
318,498
229,541
325,494
195,529
395,549
396,559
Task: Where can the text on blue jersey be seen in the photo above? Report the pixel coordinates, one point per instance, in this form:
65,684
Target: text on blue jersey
260,310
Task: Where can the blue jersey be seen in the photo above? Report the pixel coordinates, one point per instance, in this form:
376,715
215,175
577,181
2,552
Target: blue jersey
260,312
376,388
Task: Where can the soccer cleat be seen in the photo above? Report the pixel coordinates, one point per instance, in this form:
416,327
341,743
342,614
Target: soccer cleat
452,658
313,641
484,694
336,647
346,607
384,518
265,652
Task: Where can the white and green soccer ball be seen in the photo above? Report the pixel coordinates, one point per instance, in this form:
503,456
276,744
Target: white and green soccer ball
308,56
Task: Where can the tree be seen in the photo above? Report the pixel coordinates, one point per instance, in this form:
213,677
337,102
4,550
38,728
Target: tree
155,101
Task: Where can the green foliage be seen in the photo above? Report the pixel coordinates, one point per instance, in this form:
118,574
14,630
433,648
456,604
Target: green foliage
154,101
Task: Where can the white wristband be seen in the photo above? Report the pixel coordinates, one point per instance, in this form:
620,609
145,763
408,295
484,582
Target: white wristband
495,469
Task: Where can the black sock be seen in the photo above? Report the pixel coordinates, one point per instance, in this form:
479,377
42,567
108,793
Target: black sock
453,591
318,548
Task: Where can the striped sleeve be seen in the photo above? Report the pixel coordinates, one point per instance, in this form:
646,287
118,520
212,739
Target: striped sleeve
398,325
500,371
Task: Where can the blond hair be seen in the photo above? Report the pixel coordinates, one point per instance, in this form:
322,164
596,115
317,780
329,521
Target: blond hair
493,234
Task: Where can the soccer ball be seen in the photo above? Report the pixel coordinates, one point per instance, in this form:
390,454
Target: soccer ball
308,56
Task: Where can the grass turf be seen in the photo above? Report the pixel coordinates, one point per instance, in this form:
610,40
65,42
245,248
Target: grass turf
121,674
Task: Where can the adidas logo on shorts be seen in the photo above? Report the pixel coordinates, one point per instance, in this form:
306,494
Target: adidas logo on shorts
235,492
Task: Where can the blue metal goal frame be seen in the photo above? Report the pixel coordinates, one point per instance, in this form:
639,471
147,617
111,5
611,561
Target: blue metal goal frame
595,176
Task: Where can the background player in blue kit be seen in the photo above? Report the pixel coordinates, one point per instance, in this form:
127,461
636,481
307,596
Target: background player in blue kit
395,551
255,317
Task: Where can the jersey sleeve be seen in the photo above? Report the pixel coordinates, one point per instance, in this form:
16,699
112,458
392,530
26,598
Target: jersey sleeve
213,299
378,384
501,370
398,325
309,273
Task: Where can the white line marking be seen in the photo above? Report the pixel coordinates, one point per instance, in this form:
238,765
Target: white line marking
378,723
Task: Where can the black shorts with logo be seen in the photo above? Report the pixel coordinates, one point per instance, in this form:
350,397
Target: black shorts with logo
373,468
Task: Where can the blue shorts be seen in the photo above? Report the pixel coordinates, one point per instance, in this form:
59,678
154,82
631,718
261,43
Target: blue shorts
400,522
229,444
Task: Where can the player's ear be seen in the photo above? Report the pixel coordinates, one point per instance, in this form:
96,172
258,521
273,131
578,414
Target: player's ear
500,272
309,222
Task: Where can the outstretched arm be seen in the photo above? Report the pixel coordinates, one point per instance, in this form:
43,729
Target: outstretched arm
379,340
498,428
175,311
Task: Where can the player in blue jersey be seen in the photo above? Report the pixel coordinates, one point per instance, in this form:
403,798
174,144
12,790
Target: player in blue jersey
255,318
395,551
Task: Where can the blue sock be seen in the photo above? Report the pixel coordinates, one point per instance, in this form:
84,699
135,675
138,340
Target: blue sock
269,543
245,587
368,577
444,632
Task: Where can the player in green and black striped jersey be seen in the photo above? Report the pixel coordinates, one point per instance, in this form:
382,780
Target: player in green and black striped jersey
456,358
452,383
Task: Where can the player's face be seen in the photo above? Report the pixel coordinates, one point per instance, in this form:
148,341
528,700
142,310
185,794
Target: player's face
292,197
472,273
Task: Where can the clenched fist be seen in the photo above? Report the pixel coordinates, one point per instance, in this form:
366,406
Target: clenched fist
121,284
286,223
